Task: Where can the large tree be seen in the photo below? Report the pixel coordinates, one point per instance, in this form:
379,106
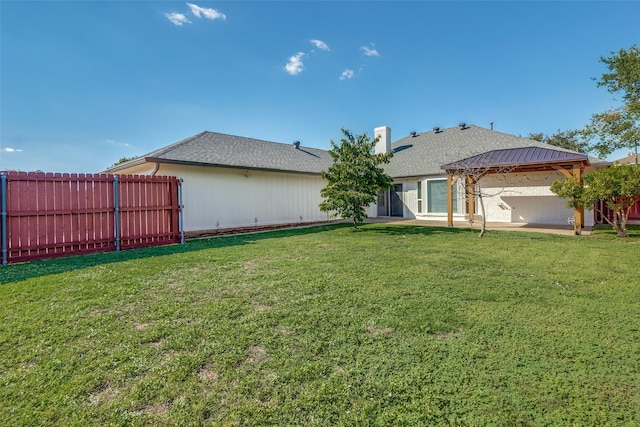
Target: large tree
618,127
355,178
567,139
617,186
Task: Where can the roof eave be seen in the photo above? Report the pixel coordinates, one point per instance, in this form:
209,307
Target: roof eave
217,165
131,163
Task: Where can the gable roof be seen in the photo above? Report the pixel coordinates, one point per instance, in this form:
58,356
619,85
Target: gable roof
517,157
631,159
425,153
217,149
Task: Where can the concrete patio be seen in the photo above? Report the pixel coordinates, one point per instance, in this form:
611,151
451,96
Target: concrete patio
566,230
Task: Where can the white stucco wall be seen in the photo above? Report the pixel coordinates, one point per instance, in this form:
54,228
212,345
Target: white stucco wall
226,197
526,198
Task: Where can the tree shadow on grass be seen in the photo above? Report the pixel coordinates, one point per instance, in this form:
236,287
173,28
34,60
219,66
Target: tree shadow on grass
27,270
606,232
421,230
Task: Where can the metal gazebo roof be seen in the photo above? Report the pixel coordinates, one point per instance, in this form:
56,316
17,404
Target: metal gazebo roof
521,158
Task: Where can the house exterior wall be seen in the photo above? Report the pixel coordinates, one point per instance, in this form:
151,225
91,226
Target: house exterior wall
515,198
411,196
526,198
216,197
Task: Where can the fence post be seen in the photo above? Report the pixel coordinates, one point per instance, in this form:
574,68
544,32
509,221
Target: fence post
116,212
3,208
180,207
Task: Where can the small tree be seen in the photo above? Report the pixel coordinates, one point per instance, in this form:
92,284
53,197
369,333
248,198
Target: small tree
617,186
355,177
471,170
472,175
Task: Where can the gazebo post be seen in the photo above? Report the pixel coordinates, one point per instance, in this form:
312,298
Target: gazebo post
451,180
471,197
578,213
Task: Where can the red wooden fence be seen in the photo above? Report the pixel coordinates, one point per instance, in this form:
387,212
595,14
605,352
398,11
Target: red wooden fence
51,215
634,213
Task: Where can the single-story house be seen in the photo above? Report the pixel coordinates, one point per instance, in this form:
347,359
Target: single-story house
233,181
516,190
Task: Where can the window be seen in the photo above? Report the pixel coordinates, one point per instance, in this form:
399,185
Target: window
437,196
419,196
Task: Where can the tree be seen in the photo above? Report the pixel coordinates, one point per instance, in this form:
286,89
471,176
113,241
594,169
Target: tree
567,139
122,160
618,127
355,177
617,186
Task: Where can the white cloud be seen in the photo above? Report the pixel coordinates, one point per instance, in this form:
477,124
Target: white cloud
347,74
206,12
114,142
11,150
295,65
319,44
177,18
369,51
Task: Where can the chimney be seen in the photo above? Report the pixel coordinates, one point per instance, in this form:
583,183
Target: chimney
383,133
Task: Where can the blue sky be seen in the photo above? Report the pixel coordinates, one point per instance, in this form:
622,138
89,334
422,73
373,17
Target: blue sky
84,83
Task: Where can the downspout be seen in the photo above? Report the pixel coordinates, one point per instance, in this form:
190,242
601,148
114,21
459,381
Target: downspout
155,169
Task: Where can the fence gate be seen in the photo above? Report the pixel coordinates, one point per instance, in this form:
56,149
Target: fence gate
52,215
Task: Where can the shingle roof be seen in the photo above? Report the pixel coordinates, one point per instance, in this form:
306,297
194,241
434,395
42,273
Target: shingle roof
425,153
217,149
631,159
525,156
421,155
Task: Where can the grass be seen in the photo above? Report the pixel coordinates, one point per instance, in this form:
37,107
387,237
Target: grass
391,325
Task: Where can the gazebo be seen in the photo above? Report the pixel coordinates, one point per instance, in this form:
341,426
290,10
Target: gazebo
514,160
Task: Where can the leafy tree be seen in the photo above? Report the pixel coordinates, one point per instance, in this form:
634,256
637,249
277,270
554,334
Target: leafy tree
122,160
355,177
618,127
567,139
617,186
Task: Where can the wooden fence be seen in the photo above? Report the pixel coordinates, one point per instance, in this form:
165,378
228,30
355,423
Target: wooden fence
52,215
634,213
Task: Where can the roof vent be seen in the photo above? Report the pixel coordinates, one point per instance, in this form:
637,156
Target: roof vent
436,129
413,134
296,144
463,126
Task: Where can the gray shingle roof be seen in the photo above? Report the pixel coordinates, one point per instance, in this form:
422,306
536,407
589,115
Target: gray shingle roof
217,149
425,153
421,155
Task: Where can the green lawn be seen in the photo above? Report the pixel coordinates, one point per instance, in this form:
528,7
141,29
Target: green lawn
392,325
